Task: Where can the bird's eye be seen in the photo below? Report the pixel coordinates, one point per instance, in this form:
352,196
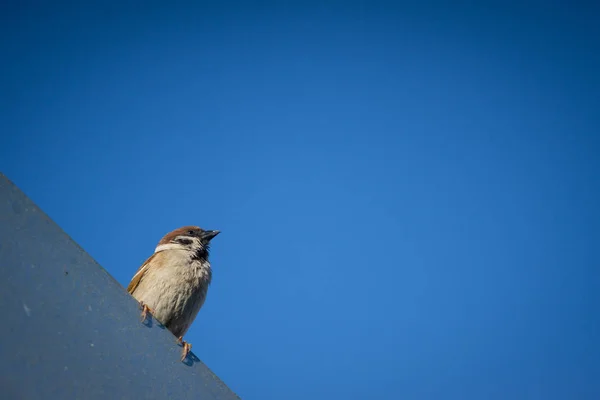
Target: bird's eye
191,232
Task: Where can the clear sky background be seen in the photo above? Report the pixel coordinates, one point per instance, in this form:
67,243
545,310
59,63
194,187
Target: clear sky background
408,197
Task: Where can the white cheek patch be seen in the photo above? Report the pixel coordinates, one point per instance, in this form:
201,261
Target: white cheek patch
169,246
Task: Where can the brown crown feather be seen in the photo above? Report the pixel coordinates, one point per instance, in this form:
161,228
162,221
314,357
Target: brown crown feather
183,231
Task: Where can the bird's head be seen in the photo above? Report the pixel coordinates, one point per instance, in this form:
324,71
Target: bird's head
190,238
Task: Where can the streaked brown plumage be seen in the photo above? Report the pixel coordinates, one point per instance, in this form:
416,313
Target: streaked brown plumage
172,284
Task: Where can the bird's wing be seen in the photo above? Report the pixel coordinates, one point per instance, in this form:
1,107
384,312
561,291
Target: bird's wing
137,278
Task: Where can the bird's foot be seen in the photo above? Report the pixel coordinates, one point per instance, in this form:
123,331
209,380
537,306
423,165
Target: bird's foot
145,310
186,347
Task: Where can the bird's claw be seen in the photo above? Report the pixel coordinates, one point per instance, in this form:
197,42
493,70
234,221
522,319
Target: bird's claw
186,347
145,310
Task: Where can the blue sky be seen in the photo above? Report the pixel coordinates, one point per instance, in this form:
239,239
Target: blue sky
408,196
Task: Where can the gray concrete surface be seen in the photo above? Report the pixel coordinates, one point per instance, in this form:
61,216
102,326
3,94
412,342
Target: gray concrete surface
70,331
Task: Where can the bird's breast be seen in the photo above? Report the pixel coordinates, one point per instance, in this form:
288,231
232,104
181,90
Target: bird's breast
175,289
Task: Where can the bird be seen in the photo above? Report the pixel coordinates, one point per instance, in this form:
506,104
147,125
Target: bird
173,282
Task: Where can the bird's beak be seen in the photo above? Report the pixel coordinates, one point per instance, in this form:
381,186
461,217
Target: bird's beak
208,235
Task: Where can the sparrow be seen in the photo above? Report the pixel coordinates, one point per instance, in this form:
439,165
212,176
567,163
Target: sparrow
172,284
